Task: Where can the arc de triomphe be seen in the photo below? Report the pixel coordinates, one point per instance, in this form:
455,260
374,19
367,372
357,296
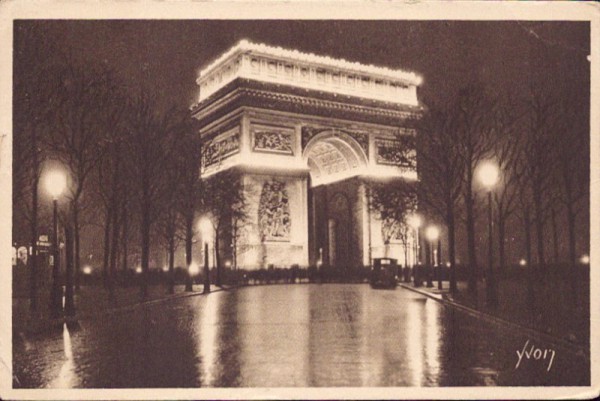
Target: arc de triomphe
307,133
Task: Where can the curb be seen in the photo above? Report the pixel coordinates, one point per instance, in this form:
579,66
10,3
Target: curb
579,349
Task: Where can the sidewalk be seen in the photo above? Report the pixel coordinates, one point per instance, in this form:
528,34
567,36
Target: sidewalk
91,301
554,319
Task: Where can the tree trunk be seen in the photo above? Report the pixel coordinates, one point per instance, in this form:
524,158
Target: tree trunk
539,226
106,255
171,263
113,252
218,281
451,248
189,236
77,236
571,221
555,236
530,271
33,283
69,295
501,238
125,237
472,250
145,235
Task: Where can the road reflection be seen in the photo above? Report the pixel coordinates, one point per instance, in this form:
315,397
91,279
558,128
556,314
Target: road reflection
284,336
66,375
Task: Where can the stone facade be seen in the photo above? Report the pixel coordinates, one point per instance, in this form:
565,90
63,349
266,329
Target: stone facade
307,152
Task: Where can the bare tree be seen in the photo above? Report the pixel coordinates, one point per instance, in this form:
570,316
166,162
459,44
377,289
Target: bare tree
180,196
393,203
441,170
224,201
572,151
190,190
538,161
84,120
507,141
472,109
152,143
35,90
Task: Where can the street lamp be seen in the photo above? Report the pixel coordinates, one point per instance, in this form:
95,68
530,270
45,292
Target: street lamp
205,227
488,175
415,222
432,233
56,182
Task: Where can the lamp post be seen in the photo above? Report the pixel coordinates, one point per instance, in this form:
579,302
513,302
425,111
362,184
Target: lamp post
56,183
205,227
415,222
488,175
432,233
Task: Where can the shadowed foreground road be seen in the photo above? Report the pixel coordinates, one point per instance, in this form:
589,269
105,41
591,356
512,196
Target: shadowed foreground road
291,335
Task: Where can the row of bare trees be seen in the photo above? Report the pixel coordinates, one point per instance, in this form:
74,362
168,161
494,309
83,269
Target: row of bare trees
132,167
540,142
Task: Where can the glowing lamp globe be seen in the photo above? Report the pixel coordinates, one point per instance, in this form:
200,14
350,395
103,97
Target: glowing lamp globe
56,182
432,233
414,221
488,174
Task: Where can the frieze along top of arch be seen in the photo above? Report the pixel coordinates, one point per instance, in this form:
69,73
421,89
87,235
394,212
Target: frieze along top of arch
293,68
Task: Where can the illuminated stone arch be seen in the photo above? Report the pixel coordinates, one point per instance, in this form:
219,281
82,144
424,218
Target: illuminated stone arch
332,156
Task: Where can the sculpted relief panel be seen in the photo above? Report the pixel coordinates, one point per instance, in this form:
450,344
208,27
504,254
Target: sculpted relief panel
274,212
396,152
273,141
393,231
221,148
362,138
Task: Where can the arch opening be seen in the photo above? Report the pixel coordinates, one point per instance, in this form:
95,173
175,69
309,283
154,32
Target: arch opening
333,156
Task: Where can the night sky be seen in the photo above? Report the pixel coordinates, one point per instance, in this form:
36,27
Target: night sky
164,56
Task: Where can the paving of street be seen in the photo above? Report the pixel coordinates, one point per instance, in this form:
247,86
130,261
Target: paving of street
307,335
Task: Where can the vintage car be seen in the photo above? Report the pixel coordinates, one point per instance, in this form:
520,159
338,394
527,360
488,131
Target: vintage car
383,273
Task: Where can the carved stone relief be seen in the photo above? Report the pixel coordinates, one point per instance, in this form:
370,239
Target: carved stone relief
396,152
362,138
274,212
392,231
221,148
273,141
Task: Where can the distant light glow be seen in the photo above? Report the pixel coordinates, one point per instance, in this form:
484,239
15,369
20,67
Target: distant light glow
523,262
432,233
87,270
228,264
585,259
56,182
448,264
138,269
488,174
205,227
165,268
194,268
415,221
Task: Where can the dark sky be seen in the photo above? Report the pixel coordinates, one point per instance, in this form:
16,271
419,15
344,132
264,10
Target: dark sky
166,55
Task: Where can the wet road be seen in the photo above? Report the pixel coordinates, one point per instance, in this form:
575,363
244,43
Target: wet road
290,335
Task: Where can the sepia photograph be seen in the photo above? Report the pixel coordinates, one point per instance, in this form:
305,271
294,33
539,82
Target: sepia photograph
300,203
